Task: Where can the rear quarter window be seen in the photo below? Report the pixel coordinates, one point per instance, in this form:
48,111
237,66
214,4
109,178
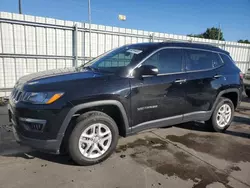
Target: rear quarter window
226,58
201,60
229,61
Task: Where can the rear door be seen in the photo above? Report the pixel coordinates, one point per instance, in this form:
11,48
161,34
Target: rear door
161,96
204,79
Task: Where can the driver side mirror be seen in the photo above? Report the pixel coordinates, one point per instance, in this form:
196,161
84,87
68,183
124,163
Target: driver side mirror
146,70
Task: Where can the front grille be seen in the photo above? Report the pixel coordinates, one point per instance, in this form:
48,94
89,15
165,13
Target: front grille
16,94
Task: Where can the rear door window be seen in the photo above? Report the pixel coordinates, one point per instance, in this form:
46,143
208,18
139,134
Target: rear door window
201,60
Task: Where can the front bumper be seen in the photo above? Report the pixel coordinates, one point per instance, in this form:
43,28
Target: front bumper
48,146
48,138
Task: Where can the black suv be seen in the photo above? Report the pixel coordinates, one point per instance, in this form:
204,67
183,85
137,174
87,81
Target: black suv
83,110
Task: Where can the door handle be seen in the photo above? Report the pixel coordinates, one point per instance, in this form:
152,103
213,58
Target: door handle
180,81
217,76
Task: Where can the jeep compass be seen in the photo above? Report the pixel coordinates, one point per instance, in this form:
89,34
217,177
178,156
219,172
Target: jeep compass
82,111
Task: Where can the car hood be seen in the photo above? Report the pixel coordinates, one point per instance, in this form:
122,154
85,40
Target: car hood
57,75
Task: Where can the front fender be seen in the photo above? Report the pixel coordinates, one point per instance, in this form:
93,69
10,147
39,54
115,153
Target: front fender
93,104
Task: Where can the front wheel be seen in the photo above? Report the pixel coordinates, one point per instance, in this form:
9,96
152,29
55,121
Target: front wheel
222,115
93,139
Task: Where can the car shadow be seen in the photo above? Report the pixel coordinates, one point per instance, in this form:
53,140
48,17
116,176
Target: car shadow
241,109
240,119
246,99
194,126
60,159
237,121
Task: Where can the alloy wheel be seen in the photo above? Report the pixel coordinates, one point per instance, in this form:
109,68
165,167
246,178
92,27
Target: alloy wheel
95,140
223,115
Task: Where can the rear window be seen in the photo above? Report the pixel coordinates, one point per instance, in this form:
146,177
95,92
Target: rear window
201,60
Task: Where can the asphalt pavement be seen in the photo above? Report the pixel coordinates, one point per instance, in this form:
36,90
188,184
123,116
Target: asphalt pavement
186,155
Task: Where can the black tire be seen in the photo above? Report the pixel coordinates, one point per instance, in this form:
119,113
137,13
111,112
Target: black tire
83,122
65,145
248,93
212,122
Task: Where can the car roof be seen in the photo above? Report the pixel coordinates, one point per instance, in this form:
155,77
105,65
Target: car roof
157,45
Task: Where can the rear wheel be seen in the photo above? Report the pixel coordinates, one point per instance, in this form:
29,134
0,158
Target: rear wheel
222,115
93,139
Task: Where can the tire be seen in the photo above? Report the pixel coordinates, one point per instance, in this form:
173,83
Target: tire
248,93
86,127
64,150
213,123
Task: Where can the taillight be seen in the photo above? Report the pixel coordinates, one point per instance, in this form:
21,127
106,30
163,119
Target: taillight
241,75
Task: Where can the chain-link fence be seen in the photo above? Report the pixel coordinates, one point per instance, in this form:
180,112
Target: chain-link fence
30,44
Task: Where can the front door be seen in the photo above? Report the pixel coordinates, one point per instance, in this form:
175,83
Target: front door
155,98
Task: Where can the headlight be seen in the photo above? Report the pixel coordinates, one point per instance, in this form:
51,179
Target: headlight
42,97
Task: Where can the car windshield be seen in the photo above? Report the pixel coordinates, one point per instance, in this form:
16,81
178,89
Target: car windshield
119,58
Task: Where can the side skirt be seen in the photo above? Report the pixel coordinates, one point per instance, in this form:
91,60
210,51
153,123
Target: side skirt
169,121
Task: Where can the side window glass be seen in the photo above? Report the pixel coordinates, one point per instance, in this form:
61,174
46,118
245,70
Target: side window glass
201,60
167,61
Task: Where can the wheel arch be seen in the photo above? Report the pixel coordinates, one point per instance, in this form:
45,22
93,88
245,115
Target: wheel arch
232,93
95,104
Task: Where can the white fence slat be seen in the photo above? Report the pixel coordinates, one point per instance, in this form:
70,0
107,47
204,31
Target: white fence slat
52,64
41,64
41,41
21,68
30,40
60,42
31,66
7,38
2,75
9,69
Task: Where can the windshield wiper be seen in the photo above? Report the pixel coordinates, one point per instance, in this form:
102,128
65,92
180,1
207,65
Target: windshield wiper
96,69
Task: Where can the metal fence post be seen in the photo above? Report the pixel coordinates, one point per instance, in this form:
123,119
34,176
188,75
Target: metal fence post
224,46
151,39
75,32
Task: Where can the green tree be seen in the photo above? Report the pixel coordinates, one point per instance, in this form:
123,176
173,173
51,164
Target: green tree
244,41
211,33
